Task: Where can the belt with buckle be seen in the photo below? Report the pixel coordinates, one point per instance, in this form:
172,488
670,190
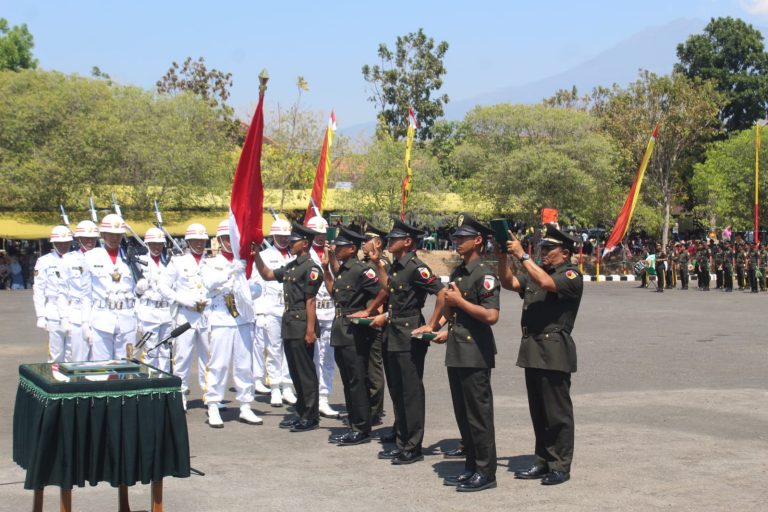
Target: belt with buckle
156,303
115,304
324,304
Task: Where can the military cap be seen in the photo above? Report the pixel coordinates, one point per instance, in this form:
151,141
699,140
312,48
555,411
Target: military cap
348,237
373,231
299,232
554,237
401,230
466,225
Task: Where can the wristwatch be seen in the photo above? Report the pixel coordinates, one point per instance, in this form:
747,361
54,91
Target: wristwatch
525,257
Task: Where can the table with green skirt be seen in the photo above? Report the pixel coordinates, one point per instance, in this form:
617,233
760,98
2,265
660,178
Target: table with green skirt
121,428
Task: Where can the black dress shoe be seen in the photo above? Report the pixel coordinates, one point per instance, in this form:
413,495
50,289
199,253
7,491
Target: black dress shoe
290,422
535,471
456,453
305,426
478,482
408,457
353,438
458,479
335,438
389,454
555,477
388,438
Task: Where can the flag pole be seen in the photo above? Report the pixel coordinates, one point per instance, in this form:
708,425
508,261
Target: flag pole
757,185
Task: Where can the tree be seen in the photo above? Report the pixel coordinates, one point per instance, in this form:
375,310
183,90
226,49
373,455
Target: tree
16,45
687,111
724,183
731,53
518,159
408,77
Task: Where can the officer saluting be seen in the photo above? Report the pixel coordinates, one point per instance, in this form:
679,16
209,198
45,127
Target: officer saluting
471,308
551,297
356,292
301,280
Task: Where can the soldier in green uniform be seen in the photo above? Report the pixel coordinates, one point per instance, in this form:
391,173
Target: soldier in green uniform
719,259
356,293
372,250
682,261
703,261
409,282
752,263
740,267
551,297
301,280
727,267
471,308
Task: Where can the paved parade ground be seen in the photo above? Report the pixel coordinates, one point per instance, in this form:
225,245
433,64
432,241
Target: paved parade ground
671,406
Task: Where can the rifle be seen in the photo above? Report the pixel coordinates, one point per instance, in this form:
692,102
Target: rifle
314,206
136,237
94,217
159,224
64,216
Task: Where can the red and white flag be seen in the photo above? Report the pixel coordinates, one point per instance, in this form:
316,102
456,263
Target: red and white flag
247,201
320,187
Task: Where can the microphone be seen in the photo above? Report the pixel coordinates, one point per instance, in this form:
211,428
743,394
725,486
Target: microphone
174,333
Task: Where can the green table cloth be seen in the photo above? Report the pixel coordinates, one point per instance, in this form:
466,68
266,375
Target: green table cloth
117,428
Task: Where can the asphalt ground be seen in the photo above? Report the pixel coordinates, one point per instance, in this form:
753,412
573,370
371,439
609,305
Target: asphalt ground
670,399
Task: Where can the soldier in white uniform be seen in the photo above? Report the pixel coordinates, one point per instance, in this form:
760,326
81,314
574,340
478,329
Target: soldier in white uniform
268,307
231,331
49,294
183,285
153,310
324,359
109,321
78,287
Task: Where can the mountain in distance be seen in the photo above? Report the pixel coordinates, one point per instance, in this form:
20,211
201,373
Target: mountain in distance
653,48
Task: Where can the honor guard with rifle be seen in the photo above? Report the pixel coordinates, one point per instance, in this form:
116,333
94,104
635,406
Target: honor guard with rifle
49,293
230,320
324,359
78,285
153,310
267,334
111,324
183,285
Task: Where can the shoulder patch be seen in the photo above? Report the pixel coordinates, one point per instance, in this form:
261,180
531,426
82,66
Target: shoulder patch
370,274
424,272
570,274
313,274
490,281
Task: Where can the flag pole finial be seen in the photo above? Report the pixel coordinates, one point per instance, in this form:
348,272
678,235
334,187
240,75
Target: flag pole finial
263,79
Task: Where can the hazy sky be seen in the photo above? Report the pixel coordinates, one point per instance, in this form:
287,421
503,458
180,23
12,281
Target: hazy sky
492,43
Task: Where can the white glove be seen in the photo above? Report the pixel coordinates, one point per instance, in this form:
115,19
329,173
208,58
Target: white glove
237,267
142,286
66,326
87,333
42,323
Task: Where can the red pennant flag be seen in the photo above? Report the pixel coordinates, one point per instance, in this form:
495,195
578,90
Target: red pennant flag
247,201
321,175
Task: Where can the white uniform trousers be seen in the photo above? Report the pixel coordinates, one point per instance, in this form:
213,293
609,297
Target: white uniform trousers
80,349
267,335
230,344
195,339
111,345
58,348
324,362
159,357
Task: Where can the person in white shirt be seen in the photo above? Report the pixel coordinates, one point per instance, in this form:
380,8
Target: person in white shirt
153,310
49,294
324,358
183,285
231,339
109,320
267,334
78,289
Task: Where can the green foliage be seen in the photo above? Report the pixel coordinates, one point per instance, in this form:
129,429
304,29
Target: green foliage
687,113
64,137
16,45
731,53
517,159
724,184
408,77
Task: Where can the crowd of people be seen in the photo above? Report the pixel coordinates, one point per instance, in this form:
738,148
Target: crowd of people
306,307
